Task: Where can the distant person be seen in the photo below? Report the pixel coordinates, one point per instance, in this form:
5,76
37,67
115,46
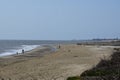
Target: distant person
59,46
17,53
23,51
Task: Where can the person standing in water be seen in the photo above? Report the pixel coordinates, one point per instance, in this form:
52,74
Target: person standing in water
17,53
23,51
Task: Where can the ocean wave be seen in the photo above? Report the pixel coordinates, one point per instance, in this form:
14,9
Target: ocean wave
19,50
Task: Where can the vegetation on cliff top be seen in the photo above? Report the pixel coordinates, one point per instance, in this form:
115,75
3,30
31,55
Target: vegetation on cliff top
104,70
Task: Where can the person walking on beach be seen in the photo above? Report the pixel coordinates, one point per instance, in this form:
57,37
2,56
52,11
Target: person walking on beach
23,51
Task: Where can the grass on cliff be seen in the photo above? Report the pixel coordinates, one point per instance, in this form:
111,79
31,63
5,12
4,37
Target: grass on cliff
74,78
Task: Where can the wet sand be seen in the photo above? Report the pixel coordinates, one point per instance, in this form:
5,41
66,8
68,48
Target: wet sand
69,60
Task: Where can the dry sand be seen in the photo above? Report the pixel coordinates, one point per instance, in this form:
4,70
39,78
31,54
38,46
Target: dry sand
69,60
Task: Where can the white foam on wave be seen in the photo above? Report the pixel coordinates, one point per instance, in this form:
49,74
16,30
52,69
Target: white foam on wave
19,50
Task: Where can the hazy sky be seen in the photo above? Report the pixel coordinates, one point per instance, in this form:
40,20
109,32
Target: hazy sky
59,19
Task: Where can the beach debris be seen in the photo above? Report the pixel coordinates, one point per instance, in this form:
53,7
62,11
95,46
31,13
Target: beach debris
69,50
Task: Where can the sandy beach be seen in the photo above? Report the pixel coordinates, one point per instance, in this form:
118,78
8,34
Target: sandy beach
69,60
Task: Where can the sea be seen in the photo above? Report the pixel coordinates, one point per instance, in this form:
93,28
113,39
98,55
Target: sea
10,47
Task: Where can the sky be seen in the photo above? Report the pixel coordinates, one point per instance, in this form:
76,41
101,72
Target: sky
59,19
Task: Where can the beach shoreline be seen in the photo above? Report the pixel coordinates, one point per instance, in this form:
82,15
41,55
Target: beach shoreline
31,52
68,60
